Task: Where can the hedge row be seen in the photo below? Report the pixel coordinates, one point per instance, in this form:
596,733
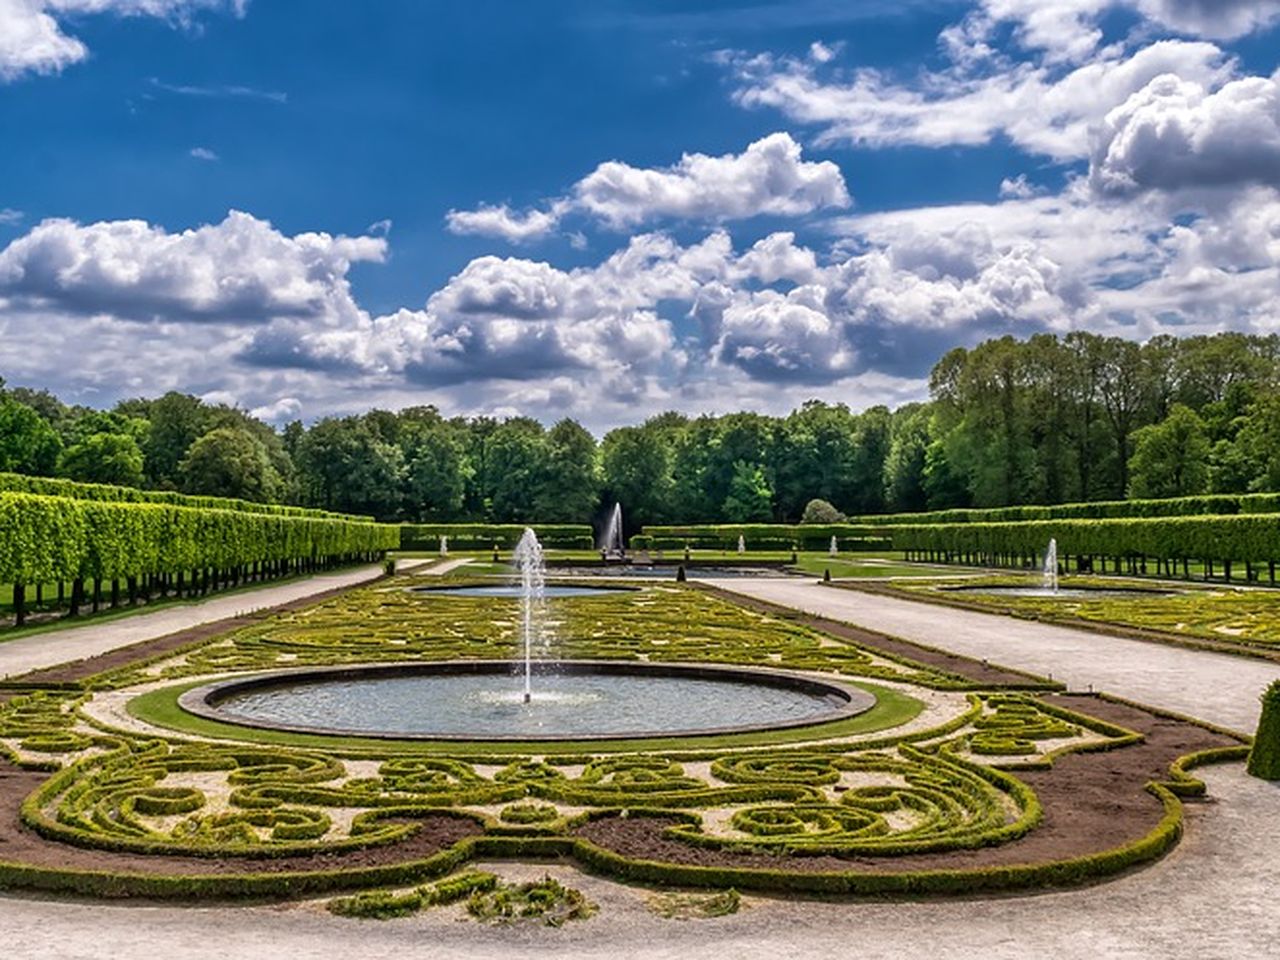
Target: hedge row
57,539
761,536
483,536
1226,504
1245,539
106,493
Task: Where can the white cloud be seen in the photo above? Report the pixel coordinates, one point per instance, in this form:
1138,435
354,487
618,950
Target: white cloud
770,177
278,411
10,216
203,153
502,221
1176,134
32,39
1041,109
241,270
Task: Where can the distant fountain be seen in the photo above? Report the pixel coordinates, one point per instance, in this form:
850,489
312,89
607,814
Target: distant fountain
1049,579
611,544
835,547
742,544
444,544
533,578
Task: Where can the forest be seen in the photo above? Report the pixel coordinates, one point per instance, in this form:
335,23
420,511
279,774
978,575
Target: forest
1040,421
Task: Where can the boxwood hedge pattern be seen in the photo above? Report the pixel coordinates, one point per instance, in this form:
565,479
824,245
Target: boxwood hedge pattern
950,788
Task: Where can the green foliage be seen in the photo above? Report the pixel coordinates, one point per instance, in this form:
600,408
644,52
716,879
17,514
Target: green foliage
694,906
820,511
1264,758
1171,458
546,901
230,462
45,539
27,443
750,499
103,458
481,536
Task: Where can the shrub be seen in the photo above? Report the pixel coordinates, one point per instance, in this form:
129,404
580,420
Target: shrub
1264,758
820,511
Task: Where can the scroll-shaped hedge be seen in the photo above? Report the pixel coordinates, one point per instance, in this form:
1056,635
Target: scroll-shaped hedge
49,539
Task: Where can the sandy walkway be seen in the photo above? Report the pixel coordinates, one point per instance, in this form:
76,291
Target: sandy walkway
1218,687
75,643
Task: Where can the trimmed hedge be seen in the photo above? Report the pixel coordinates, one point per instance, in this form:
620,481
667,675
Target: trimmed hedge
761,536
107,493
1264,758
482,536
1225,504
1246,539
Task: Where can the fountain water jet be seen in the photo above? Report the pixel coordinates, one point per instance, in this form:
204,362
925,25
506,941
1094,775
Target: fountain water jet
444,544
835,547
742,544
611,545
533,579
1049,580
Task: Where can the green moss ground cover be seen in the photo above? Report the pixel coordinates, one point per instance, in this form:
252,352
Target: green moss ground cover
859,787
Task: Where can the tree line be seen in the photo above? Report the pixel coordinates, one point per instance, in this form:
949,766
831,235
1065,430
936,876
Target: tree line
1046,420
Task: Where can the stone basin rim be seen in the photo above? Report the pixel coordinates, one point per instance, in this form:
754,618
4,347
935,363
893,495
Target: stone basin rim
202,701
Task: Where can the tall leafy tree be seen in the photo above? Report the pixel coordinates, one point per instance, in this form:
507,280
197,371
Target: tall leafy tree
343,466
103,458
1170,458
27,443
230,462
636,464
750,498
569,490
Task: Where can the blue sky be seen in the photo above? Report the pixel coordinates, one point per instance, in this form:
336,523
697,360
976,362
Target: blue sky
484,205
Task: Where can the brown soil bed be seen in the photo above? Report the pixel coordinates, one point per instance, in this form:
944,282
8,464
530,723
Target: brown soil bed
984,674
1092,802
173,643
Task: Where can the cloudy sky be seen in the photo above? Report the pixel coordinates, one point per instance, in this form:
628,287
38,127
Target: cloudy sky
608,208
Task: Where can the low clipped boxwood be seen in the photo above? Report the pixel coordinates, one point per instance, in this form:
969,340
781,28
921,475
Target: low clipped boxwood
1264,758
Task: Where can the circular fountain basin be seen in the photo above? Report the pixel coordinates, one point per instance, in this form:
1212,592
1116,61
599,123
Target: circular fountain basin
514,591
484,700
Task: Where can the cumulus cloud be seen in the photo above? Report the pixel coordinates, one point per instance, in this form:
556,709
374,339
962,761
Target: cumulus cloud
770,177
203,153
240,270
1176,134
32,39
502,221
1041,109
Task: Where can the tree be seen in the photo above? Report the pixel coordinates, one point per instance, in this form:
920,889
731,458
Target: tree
750,498
515,461
342,466
103,458
177,421
636,467
904,466
569,491
1250,460
27,443
434,471
819,511
1171,458
229,462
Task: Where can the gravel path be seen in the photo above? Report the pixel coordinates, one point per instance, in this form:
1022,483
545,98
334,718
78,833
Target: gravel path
1218,687
75,643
